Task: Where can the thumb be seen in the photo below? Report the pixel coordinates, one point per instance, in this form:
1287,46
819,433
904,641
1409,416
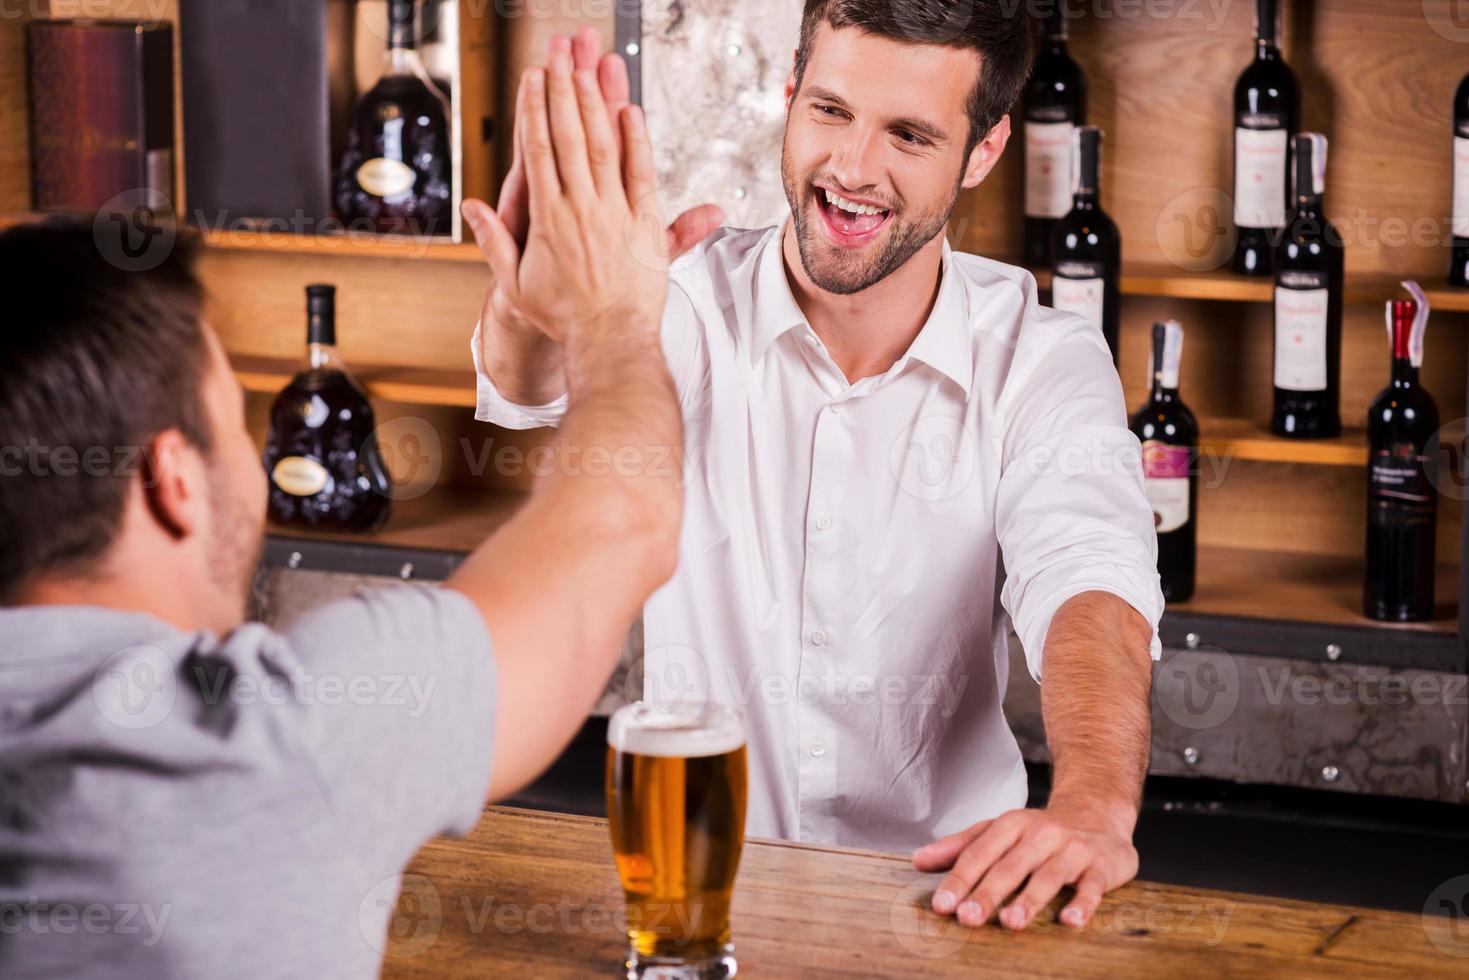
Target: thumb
691,227
494,242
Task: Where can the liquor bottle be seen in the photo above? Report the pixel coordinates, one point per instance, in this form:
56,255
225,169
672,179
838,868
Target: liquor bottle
1401,503
1459,264
1086,250
1308,305
1053,105
1267,109
322,452
1170,438
396,173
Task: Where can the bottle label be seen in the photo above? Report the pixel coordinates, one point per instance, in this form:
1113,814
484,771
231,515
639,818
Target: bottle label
1399,476
382,177
1166,474
1259,177
1300,338
1047,169
1461,186
300,476
1080,296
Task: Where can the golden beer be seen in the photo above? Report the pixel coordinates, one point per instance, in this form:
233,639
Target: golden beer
676,802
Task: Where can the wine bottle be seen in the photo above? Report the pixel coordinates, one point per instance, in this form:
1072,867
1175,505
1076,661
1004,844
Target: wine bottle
1401,504
1170,437
1053,104
1459,263
1267,109
396,174
1086,250
322,452
1308,307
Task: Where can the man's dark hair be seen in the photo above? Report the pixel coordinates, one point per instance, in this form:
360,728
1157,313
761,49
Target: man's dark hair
996,29
94,362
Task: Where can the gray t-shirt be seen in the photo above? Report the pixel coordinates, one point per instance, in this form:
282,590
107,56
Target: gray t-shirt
176,806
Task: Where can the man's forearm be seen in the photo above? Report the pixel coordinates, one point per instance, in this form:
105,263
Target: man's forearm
1095,700
526,366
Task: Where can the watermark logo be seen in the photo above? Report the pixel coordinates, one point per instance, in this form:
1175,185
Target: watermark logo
135,688
1447,458
409,907
129,235
1198,689
1448,18
935,458
1194,230
1446,916
919,929
411,453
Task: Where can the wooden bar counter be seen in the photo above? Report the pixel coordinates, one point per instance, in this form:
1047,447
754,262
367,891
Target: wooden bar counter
535,895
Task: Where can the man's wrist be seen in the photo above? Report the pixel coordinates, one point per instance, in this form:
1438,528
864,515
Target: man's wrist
1116,815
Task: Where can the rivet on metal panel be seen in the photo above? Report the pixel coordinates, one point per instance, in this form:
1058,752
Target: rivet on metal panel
294,561
1192,641
1333,651
631,49
1329,773
406,572
1191,755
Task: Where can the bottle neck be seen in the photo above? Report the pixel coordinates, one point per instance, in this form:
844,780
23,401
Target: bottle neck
1404,374
1162,393
1265,29
402,62
323,357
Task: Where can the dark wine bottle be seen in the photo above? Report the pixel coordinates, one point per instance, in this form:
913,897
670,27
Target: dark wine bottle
396,175
1052,106
1401,504
1086,250
322,452
1308,307
1170,437
1267,110
1459,263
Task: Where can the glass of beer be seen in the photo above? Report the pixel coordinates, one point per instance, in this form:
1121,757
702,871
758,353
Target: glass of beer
676,802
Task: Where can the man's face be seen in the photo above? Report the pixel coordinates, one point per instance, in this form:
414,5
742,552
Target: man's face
881,124
237,482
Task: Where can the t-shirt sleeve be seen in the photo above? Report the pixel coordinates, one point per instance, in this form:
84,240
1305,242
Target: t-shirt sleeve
400,698
1072,513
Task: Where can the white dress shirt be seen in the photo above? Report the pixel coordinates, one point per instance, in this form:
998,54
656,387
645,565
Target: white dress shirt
853,554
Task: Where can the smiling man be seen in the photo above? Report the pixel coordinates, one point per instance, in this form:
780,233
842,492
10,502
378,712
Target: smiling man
896,453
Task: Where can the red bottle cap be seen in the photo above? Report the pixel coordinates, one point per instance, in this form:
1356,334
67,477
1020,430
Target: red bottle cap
1403,313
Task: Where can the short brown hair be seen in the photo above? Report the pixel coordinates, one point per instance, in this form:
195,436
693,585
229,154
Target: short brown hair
94,362
1002,39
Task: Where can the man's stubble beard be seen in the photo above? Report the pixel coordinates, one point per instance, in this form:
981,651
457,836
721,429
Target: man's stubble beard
238,542
903,238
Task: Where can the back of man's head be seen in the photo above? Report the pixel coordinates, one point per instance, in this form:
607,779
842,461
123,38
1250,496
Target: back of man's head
94,362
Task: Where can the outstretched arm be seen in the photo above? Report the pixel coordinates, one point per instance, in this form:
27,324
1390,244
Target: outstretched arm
560,583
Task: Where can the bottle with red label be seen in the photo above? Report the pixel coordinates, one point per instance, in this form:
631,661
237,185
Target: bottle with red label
1401,501
1170,437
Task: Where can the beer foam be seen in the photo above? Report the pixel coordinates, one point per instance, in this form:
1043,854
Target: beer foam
686,731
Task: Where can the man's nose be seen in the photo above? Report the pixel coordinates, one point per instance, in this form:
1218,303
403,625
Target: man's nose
854,161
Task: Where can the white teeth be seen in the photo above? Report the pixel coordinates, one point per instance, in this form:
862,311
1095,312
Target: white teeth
852,206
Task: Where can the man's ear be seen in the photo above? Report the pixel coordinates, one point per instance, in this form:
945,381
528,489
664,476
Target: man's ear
790,88
986,153
173,475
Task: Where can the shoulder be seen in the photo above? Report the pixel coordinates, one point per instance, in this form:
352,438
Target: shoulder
1011,325
726,256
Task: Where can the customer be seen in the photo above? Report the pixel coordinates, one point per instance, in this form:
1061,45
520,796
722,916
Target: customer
186,795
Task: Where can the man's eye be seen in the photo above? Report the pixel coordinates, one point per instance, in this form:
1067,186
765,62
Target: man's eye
828,110
910,138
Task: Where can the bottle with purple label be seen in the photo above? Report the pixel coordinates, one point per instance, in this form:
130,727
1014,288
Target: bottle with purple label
1170,437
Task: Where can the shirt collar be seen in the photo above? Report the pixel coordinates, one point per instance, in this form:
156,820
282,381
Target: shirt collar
943,343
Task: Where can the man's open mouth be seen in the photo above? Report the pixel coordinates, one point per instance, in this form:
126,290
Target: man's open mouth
849,223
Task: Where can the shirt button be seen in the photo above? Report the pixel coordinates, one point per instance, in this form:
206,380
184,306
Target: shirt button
817,750
823,523
811,339
818,637
834,408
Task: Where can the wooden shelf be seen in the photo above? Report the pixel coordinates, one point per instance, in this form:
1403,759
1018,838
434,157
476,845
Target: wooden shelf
446,519
412,386
1244,439
351,244
1307,588
1171,282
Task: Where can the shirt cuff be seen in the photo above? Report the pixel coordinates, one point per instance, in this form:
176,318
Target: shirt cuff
1138,589
491,406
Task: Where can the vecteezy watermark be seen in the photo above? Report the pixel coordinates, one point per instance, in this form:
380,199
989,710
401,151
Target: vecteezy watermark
1197,689
411,453
935,458
1447,453
413,692
1446,916
1195,230
129,234
835,688
1448,18
1369,686
1208,14
401,916
38,917
150,12
136,687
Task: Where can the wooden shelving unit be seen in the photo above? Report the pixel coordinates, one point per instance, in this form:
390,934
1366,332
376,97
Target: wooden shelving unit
412,386
448,519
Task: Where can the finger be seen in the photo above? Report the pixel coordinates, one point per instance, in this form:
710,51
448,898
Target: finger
973,862
1045,883
1003,878
638,176
568,136
616,90
601,143
495,242
941,854
540,158
556,45
1083,905
691,228
586,45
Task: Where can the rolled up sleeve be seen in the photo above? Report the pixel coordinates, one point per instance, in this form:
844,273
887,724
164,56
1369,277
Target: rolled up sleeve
1072,513
491,406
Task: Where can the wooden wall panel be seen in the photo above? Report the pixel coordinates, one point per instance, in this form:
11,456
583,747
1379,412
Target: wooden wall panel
15,158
